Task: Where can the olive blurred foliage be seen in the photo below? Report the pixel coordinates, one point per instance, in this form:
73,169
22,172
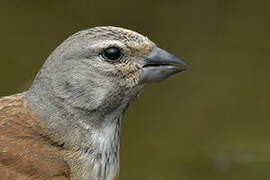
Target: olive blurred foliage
208,123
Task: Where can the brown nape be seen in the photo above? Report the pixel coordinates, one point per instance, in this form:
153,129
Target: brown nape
26,151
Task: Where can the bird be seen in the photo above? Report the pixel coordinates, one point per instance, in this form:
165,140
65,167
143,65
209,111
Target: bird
67,124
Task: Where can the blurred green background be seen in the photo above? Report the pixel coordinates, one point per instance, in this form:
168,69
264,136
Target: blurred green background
211,122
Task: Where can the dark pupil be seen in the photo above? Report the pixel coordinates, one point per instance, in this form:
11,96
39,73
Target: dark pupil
112,53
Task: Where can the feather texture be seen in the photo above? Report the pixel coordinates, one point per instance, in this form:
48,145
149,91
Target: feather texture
26,149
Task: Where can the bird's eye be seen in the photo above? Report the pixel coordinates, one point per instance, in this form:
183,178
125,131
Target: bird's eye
112,53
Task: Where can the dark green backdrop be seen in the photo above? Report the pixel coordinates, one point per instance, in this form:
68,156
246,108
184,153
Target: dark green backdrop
211,122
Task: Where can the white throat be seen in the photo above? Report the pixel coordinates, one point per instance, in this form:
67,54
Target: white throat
103,156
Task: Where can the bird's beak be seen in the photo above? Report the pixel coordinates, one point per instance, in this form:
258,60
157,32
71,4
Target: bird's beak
160,64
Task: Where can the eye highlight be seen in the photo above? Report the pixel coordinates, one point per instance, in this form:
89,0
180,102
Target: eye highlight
112,54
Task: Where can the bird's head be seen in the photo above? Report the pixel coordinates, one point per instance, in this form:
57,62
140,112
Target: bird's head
102,67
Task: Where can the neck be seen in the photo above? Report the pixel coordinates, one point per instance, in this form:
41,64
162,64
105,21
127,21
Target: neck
95,134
